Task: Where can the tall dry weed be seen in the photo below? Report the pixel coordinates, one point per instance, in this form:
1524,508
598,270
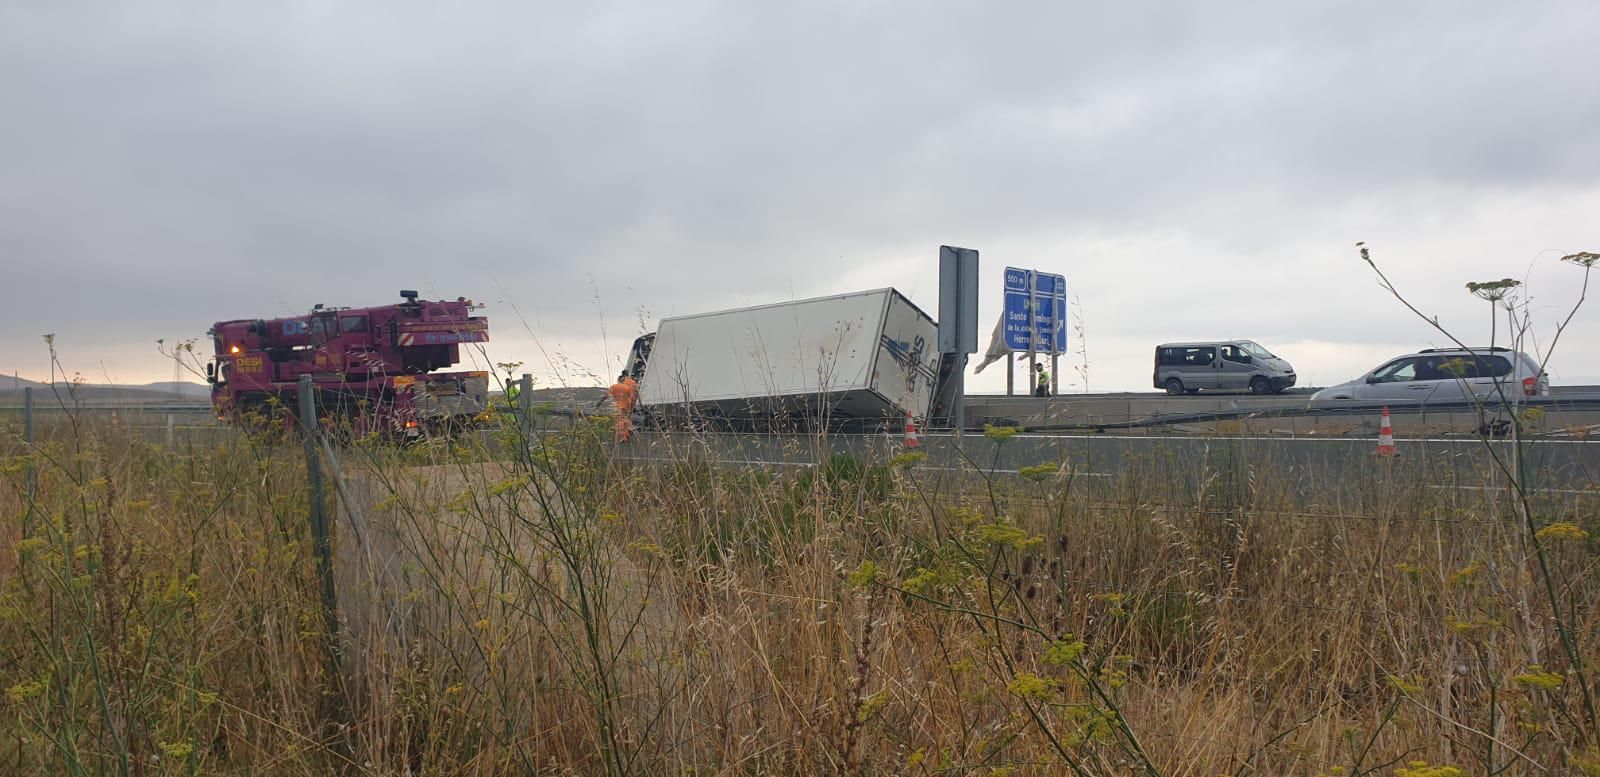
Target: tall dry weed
538,604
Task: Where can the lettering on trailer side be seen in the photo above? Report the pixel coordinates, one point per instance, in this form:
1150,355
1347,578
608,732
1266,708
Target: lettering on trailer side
442,338
453,326
911,356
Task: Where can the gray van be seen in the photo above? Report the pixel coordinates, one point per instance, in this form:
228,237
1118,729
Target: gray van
1220,365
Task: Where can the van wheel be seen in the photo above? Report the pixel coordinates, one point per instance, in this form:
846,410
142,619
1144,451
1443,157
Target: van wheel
1260,386
1174,387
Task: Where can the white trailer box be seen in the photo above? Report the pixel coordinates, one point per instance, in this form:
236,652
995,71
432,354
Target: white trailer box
870,355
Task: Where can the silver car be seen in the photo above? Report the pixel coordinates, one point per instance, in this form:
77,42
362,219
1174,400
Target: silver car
1446,375
1228,365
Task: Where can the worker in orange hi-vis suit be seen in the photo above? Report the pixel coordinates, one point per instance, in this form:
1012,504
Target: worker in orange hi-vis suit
624,395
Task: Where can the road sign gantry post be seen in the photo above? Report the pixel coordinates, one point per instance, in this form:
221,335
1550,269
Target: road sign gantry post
958,318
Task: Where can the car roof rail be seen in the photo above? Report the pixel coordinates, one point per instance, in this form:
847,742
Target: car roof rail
1495,349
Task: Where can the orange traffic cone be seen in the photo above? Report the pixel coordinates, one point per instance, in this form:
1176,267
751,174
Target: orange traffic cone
912,440
1386,436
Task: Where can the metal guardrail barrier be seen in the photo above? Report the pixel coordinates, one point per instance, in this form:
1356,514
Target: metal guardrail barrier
1339,408
1571,401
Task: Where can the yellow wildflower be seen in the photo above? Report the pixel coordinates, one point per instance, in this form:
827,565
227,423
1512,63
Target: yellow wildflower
864,575
1031,686
21,692
907,460
1000,434
1040,472
1561,531
1004,534
1465,573
1538,679
1063,652
1422,769
1588,763
871,705
508,485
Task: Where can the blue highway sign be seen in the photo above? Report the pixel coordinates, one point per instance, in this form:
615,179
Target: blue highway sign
1036,321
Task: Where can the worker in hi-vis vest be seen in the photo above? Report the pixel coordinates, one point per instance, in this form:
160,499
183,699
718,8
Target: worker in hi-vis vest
1041,381
624,395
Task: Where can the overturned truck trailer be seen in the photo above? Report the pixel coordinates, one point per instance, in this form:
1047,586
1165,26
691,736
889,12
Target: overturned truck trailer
860,360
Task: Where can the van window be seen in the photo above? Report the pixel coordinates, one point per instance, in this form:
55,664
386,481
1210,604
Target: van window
1254,349
1493,366
1451,367
1193,356
1397,371
1234,353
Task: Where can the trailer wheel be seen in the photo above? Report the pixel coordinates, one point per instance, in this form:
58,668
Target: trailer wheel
1174,387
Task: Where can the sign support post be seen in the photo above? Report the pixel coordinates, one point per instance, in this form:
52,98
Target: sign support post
1033,332
958,319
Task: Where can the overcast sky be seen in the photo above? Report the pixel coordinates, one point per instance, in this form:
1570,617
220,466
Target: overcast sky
1194,169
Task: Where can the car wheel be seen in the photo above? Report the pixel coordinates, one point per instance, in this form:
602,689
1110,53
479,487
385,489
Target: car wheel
1174,387
1260,386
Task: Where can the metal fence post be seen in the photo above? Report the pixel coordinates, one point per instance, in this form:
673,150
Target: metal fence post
30,477
169,431
525,405
321,537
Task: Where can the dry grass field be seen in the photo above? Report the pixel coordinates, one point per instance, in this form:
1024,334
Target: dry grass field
536,607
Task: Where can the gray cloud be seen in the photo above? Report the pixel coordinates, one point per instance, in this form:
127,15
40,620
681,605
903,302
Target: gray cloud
170,165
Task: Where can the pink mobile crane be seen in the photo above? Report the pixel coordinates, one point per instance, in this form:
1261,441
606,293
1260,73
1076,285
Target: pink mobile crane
373,367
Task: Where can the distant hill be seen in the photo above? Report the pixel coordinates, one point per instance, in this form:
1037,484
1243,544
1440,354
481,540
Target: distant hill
11,390
578,394
183,389
14,383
